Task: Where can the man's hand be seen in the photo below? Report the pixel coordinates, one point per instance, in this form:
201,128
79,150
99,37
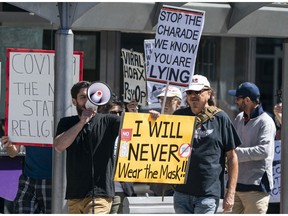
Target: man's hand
154,114
228,202
11,149
87,115
6,142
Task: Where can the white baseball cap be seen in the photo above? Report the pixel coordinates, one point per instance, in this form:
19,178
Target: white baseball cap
198,83
171,92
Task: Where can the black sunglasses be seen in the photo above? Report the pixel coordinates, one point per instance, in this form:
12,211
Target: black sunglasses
116,112
189,92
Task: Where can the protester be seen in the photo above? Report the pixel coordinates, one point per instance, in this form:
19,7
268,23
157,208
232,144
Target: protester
274,207
257,131
34,190
173,99
214,142
173,102
122,189
88,139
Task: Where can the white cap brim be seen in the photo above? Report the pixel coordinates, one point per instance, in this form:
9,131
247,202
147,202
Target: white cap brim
195,87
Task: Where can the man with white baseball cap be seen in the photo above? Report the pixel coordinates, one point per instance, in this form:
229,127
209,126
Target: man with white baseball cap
214,142
173,99
198,83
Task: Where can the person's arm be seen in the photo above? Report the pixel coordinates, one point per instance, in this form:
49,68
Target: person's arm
65,139
263,144
232,166
11,149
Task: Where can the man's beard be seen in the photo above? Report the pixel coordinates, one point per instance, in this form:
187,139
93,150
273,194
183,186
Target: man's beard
79,110
242,107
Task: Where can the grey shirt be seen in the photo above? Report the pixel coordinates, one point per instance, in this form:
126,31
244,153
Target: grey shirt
255,155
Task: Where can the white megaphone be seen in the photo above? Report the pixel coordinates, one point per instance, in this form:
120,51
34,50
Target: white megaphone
98,93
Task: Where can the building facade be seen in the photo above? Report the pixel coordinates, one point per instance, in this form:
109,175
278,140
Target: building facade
226,57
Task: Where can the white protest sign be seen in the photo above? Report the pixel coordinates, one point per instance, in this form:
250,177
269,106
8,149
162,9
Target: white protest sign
148,48
275,193
177,39
30,95
155,88
134,77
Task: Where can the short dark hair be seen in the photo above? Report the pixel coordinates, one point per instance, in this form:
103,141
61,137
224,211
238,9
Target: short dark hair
106,108
77,87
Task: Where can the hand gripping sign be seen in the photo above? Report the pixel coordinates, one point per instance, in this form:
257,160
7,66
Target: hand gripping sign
154,151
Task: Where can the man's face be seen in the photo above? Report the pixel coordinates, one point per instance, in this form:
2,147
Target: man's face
116,110
80,101
197,100
240,101
171,105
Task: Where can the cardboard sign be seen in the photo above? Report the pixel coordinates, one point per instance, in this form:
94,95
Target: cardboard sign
177,39
30,94
154,151
134,77
275,193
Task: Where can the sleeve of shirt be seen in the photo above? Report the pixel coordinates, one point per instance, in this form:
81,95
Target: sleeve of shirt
65,123
60,127
231,139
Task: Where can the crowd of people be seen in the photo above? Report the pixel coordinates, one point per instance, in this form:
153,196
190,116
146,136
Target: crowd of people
222,152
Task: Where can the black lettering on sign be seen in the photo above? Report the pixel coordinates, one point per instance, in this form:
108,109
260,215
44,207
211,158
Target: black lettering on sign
126,172
193,20
150,174
24,88
169,174
169,73
131,58
27,128
38,108
136,93
170,16
158,152
161,44
133,73
178,32
169,130
32,64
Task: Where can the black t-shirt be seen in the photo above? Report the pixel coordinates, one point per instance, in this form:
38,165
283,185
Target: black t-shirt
96,138
207,162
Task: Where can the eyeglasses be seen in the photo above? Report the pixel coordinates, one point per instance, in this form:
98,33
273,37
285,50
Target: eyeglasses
116,112
189,92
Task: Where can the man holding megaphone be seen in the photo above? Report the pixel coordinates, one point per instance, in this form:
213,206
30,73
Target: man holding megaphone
88,139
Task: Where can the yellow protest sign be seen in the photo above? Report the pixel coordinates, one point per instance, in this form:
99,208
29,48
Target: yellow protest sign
154,151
